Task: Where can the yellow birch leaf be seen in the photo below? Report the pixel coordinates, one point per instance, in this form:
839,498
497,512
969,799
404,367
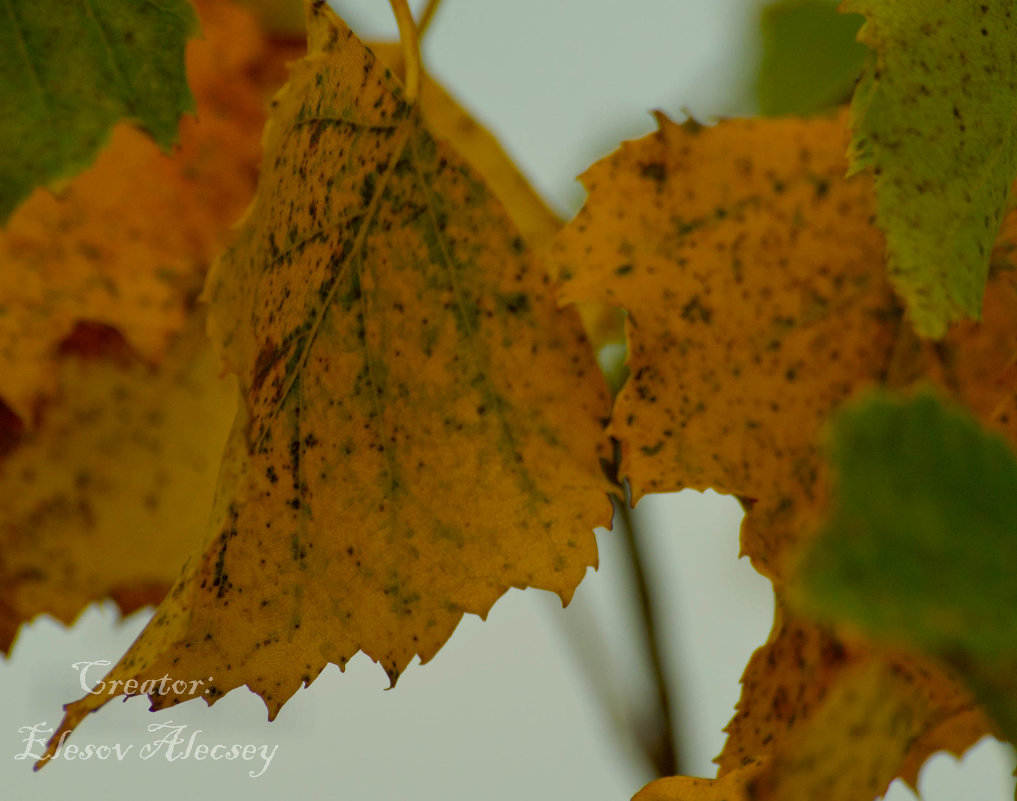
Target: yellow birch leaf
111,491
954,736
420,426
754,284
783,683
446,119
849,748
103,251
787,679
752,274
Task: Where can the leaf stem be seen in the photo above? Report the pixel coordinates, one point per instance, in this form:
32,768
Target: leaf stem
411,47
426,16
906,364
661,745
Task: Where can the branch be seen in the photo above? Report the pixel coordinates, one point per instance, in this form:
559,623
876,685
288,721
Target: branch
661,746
411,47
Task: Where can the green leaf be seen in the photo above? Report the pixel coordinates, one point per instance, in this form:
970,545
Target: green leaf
934,116
70,71
810,59
921,543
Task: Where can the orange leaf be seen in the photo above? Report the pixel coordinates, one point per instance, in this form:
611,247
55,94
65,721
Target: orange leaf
108,478
854,744
447,119
754,284
127,243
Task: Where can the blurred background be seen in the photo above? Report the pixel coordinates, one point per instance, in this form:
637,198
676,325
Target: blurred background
536,702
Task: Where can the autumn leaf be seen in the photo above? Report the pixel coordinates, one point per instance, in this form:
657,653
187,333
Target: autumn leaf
110,493
933,118
752,275
810,59
789,681
446,119
102,251
785,678
918,546
852,746
70,71
100,507
420,426
756,303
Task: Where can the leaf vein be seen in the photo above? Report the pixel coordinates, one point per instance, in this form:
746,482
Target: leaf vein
25,52
118,71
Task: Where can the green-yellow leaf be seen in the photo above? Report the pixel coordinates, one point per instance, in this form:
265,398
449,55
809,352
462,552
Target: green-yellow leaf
921,542
852,746
810,58
421,426
934,116
70,71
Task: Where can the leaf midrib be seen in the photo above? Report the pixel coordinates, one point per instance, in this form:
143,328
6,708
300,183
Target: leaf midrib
25,53
358,244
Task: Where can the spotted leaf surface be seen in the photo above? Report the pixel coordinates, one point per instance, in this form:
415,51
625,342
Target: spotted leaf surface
420,425
70,71
750,321
752,277
109,494
787,685
446,119
104,251
933,116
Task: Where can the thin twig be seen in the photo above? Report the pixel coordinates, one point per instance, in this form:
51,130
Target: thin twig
411,47
593,659
661,746
906,363
426,16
